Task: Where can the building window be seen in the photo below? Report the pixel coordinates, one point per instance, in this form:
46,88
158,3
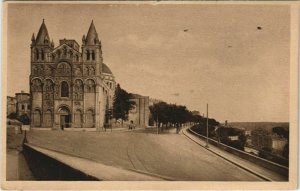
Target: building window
42,54
37,53
28,107
23,107
64,91
88,55
93,55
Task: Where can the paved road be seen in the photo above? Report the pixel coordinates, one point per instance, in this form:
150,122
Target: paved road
171,155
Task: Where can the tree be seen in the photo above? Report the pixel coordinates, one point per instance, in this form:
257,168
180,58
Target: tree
281,132
122,104
24,119
12,115
159,112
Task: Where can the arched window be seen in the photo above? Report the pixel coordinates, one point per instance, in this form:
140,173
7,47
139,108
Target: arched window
37,54
65,51
46,40
88,55
93,55
58,53
36,85
64,91
71,54
78,86
90,86
42,54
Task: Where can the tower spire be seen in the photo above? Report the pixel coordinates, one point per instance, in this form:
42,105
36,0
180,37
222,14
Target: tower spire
33,38
43,36
92,36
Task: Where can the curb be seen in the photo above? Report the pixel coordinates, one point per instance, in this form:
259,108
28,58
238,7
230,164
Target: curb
235,163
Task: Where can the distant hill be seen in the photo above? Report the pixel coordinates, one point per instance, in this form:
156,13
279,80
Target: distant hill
254,125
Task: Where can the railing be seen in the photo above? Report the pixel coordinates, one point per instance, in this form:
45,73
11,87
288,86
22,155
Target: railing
252,158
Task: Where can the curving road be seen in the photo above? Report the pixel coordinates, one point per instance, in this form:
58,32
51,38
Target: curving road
169,155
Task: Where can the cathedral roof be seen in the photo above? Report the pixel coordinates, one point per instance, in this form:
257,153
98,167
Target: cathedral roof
106,69
92,35
42,34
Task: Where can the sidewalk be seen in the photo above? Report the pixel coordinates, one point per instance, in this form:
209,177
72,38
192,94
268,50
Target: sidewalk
244,164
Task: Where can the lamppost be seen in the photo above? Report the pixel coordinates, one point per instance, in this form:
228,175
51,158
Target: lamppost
206,126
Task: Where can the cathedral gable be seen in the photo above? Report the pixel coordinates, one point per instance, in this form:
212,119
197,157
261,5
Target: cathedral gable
64,51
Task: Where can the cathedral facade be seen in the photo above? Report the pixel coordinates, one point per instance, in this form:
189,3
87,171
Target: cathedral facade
70,86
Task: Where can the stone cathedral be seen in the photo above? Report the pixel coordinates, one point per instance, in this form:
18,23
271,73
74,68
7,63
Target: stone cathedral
70,86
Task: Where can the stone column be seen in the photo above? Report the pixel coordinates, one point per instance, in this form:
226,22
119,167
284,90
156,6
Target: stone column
97,106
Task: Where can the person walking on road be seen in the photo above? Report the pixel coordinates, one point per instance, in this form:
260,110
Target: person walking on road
131,125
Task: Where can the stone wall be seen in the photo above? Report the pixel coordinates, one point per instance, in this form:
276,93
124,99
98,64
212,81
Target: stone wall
140,113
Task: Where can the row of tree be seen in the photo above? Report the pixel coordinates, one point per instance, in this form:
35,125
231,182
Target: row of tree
162,113
172,115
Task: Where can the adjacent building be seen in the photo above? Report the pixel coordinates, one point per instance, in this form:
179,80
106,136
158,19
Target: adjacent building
70,86
11,105
20,104
23,104
140,113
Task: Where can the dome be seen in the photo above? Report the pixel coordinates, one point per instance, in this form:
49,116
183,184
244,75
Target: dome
105,69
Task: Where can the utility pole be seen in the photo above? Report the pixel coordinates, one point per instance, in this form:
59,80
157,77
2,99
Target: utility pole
206,125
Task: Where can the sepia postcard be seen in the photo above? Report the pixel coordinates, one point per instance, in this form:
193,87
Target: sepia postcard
161,95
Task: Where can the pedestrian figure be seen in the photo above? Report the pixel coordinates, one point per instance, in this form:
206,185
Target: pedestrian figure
131,125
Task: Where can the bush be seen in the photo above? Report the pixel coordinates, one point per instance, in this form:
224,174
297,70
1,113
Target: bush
24,119
12,116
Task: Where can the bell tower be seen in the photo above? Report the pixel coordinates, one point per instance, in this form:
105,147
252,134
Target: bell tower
91,49
41,45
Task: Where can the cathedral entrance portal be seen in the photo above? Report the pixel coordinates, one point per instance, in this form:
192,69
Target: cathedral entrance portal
65,117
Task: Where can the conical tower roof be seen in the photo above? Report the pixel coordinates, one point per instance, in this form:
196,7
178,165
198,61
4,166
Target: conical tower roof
42,35
92,36
33,37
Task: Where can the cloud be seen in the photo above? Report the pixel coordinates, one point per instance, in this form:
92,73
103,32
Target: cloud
176,94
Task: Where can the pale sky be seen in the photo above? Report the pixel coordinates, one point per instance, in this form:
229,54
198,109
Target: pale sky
184,54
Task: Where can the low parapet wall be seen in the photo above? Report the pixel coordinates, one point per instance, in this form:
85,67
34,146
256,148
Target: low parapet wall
48,164
257,160
44,167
